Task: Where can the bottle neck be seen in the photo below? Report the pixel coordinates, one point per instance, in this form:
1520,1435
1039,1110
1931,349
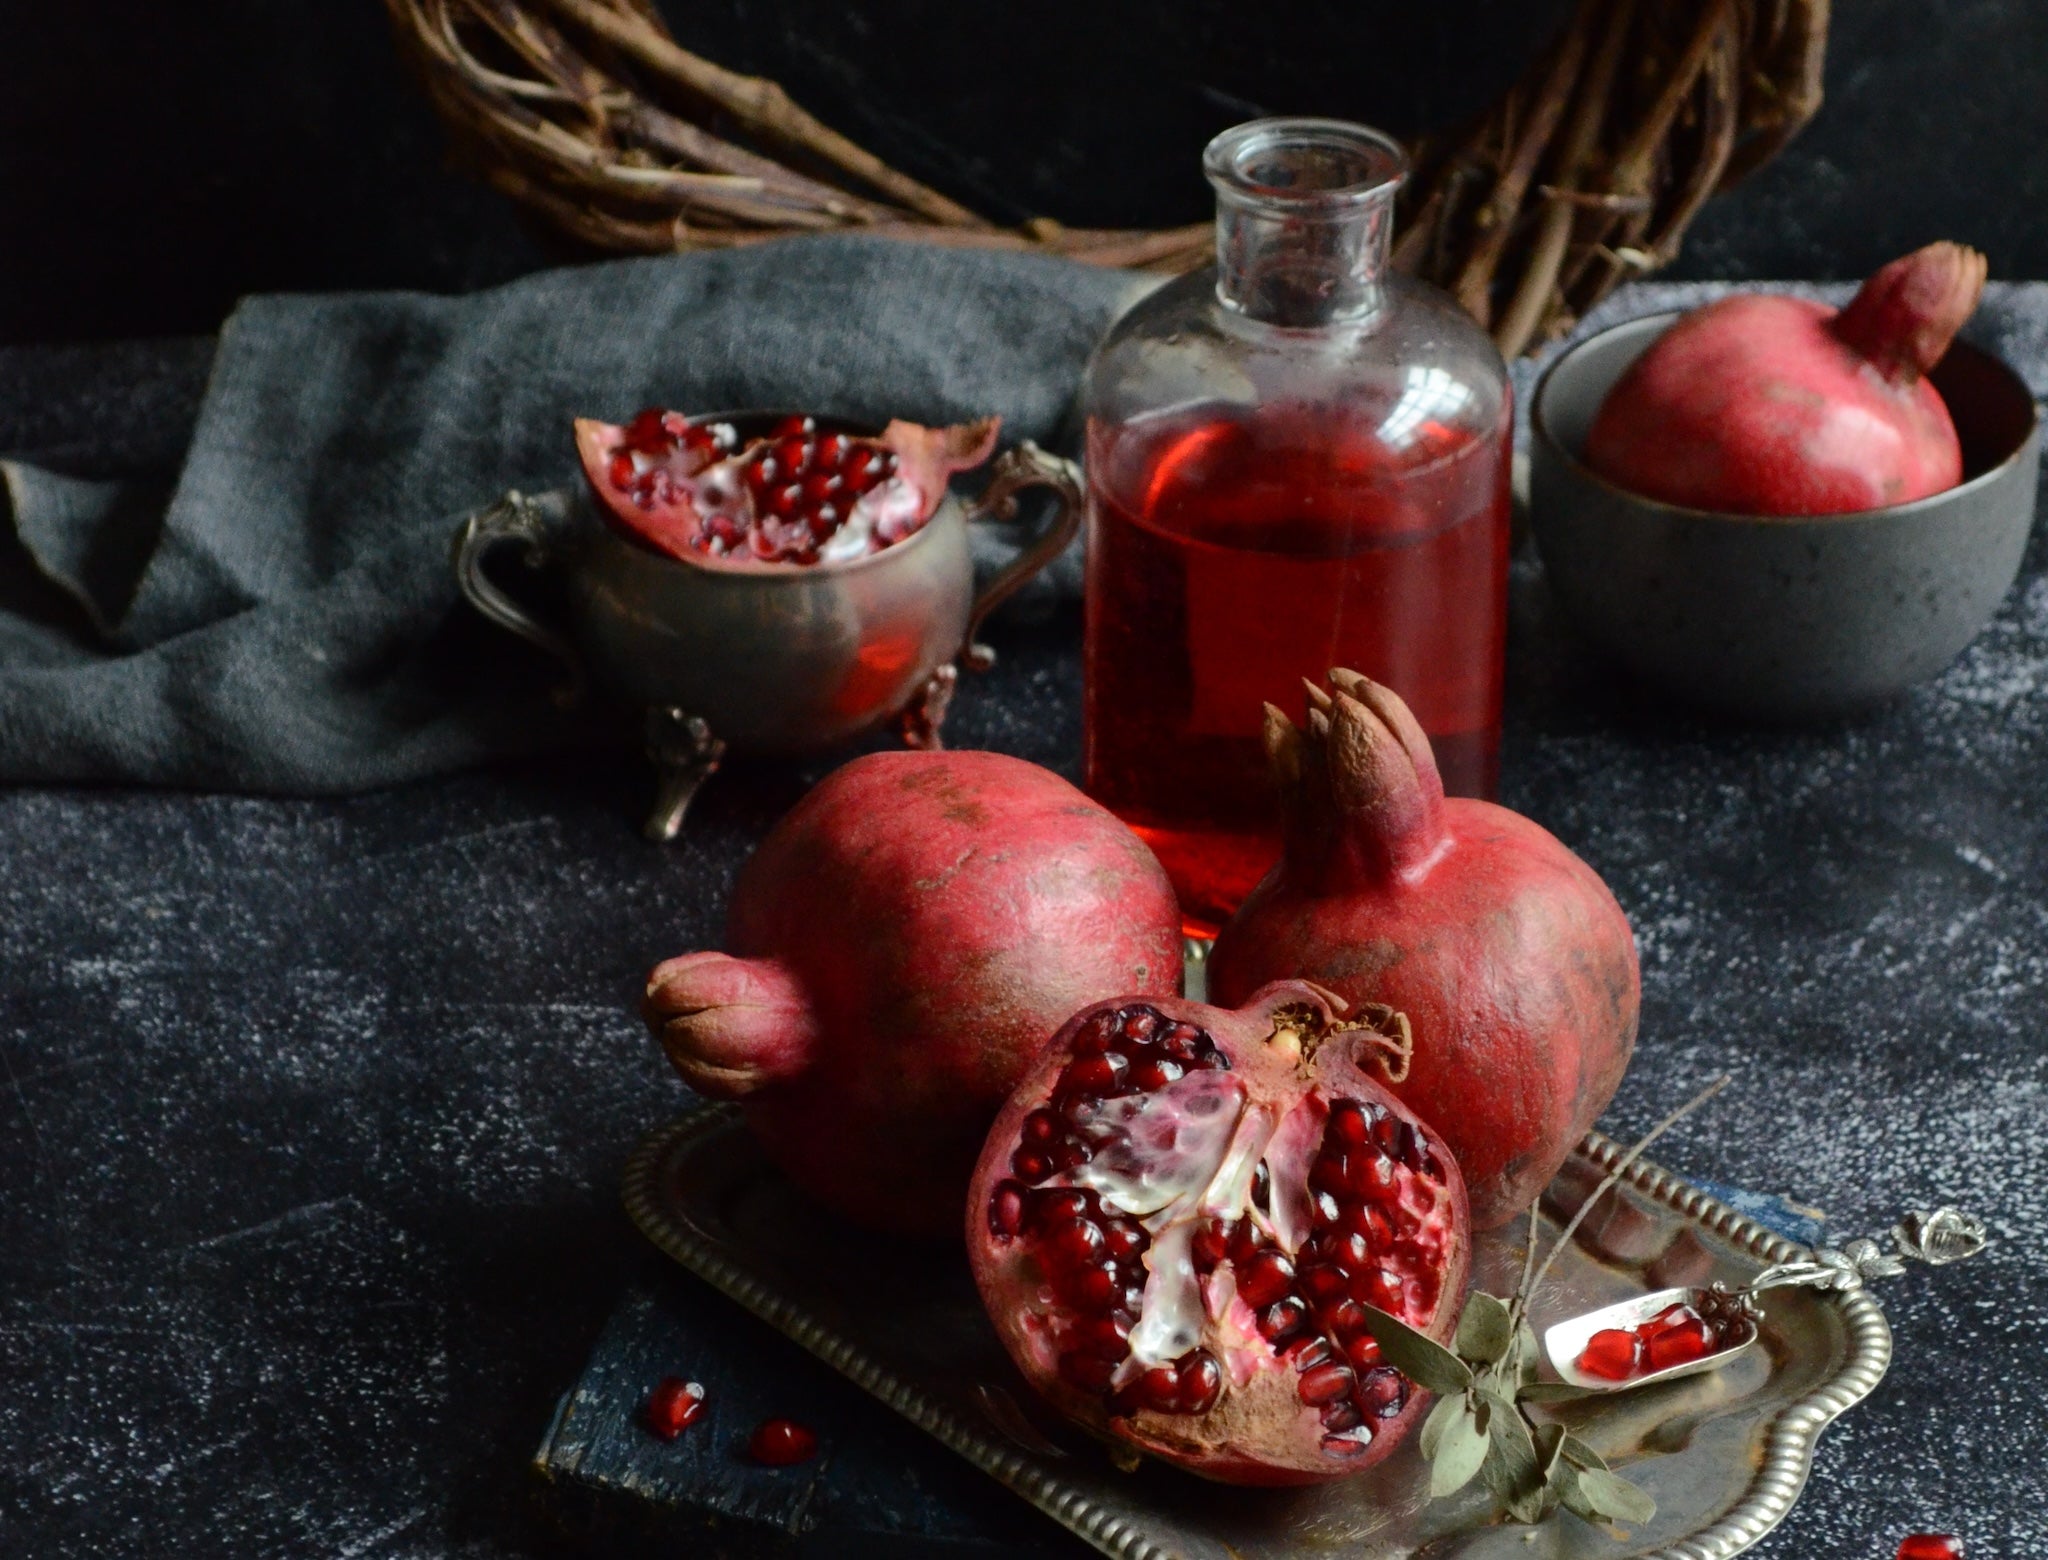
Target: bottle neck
1304,219
1302,269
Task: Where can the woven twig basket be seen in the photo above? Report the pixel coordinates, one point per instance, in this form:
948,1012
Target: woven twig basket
1588,170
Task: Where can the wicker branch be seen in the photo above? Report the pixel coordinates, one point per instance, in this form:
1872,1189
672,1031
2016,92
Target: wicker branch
1587,171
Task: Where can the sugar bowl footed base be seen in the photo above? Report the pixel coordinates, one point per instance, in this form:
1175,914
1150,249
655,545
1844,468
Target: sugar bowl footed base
771,661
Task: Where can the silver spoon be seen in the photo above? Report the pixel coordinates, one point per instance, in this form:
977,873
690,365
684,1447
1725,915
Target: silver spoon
1943,1236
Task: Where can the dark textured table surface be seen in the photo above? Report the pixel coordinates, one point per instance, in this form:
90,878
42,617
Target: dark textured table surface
312,1113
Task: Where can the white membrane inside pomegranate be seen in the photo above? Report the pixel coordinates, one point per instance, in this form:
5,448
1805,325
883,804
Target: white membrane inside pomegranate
800,493
1174,1232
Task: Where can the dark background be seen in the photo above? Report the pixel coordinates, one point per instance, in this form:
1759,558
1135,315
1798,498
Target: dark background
157,161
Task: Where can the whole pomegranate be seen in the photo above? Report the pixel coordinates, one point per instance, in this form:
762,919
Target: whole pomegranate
1509,954
1765,405
799,494
1182,1214
899,947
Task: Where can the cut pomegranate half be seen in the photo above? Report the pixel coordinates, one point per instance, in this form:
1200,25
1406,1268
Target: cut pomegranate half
747,491
1183,1213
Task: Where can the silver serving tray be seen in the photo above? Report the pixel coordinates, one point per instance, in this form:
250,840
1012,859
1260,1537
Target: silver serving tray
1725,1453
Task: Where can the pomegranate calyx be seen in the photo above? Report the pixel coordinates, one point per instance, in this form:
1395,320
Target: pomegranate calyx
731,1027
1904,317
1303,1028
1361,778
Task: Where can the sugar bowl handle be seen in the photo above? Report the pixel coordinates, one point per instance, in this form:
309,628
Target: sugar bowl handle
1023,467
523,521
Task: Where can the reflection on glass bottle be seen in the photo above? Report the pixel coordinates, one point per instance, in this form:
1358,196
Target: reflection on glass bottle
1296,460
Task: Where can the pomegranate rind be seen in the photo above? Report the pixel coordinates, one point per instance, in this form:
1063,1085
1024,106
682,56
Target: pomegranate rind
897,949
1260,1432
1511,957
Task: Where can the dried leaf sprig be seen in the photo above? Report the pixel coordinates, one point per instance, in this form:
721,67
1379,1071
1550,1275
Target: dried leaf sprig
1486,1383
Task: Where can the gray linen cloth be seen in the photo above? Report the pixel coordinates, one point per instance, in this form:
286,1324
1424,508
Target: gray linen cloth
288,621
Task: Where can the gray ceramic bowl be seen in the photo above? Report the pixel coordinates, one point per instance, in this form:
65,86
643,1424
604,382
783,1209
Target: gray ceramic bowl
1782,619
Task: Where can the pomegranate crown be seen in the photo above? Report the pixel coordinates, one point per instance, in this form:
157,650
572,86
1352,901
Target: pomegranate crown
1359,788
1905,316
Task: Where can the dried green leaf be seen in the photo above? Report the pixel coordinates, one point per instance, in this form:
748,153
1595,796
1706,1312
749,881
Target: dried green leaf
1614,1497
1571,1494
1460,1450
1486,1331
1581,1455
1422,1360
1447,1409
1533,1505
1510,1469
1553,1392
1549,1441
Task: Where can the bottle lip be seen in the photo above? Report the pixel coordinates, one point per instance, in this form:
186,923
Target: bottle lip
1294,163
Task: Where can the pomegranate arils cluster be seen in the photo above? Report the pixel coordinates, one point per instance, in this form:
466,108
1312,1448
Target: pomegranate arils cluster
804,486
1677,1335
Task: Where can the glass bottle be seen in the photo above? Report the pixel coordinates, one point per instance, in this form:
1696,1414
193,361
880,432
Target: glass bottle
1296,460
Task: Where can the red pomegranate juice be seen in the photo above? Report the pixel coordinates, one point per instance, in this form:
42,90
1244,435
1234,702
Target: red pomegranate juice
1232,555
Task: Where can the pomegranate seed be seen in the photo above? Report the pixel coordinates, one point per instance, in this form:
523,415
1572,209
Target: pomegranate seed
794,455
1679,1345
1267,1277
1006,1210
1282,1319
1382,1393
1348,1251
621,470
1930,1546
1374,1176
1322,1281
1156,1073
1159,1389
1030,1166
1262,1187
1059,1204
1671,1316
1245,1242
777,1443
1078,1111
1346,1319
821,485
1040,1127
1363,1352
1383,1291
1327,1209
1307,1352
1372,1225
1182,1042
1139,1023
647,433
1070,1155
1211,1244
833,450
1096,1035
674,1406
762,473
1075,1241
1095,1076
1201,1382
1099,1286
1352,1443
1133,1298
793,427
1348,1125
1610,1354
1325,1384
1330,1173
1124,1239
1107,1336
1089,1372
1342,1416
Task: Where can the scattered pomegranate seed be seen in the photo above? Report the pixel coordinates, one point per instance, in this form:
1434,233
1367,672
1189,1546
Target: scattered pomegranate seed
1931,1546
674,1406
777,1443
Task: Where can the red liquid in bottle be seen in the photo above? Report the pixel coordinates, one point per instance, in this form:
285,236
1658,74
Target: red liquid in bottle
1233,554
